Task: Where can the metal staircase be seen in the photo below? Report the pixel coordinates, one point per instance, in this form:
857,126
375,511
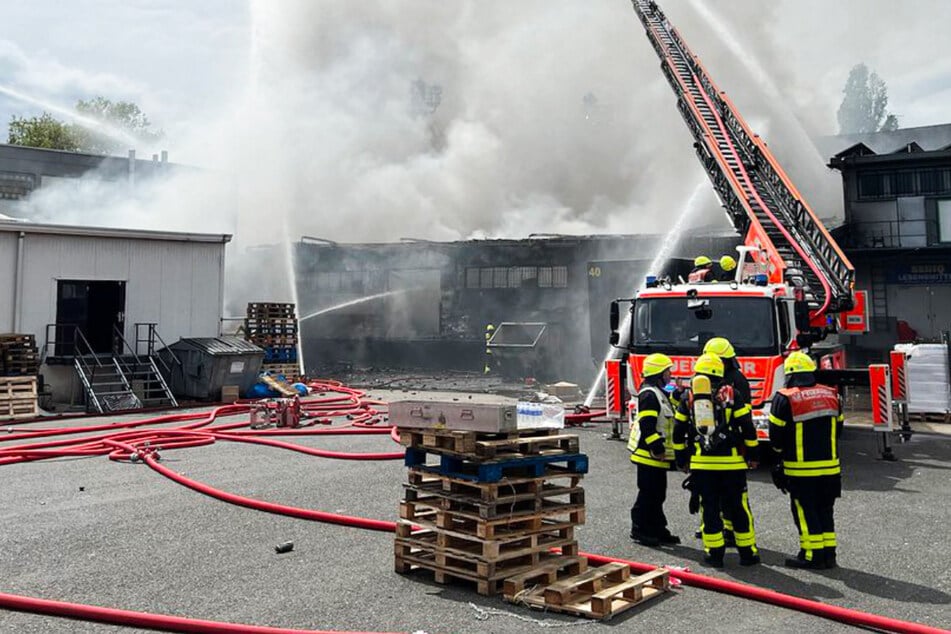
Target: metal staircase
760,200
105,384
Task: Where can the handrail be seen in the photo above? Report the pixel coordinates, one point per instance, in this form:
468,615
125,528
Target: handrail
125,344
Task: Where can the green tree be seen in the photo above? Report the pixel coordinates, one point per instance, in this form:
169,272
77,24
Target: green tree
123,116
864,107
43,131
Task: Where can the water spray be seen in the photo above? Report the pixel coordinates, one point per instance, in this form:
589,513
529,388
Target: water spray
354,302
671,240
114,133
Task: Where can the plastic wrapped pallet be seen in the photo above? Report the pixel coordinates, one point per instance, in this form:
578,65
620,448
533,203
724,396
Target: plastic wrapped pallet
927,377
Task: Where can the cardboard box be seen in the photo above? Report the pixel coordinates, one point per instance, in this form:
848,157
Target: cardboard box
229,393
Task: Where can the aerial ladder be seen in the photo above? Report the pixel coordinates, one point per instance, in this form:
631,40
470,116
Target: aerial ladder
761,201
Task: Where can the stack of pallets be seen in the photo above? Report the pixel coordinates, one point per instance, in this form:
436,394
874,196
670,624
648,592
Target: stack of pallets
18,397
482,507
18,355
273,327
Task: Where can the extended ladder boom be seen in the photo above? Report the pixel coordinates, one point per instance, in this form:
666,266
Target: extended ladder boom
761,201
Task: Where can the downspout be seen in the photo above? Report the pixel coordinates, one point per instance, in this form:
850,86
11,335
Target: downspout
18,285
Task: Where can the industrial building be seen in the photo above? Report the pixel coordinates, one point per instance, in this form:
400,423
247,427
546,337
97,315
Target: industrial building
897,232
100,288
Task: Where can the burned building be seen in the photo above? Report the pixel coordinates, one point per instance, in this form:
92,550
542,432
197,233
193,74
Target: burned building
425,305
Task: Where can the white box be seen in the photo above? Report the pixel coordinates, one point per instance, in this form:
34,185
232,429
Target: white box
539,415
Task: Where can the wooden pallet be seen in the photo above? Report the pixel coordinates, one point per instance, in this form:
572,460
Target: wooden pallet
17,388
486,586
509,526
929,417
530,466
515,504
504,490
599,593
281,388
291,371
490,446
17,338
487,550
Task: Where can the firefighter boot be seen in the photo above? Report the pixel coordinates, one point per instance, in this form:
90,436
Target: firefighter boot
799,561
729,538
714,557
669,538
748,557
830,557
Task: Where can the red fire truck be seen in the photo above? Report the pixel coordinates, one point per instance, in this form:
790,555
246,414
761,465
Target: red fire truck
793,286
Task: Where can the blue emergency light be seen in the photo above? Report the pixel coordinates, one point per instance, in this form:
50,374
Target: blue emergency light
651,281
761,279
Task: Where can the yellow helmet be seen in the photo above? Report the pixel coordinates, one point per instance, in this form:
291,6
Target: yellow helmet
798,362
702,260
720,347
655,364
727,263
490,327
709,364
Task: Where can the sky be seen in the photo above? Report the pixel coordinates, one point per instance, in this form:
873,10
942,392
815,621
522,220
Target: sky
553,117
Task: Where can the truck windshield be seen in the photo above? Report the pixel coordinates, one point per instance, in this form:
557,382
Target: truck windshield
667,325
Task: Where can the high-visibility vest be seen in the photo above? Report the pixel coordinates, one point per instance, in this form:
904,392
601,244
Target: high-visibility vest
665,423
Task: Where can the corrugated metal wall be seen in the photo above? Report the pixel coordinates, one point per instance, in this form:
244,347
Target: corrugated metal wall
175,284
8,265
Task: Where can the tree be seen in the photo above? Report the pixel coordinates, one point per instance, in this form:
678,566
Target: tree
123,116
119,119
43,131
865,104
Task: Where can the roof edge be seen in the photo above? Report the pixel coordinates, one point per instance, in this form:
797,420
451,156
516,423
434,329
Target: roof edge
14,226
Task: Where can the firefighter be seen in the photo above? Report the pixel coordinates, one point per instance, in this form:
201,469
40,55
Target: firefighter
489,331
727,269
732,376
702,270
715,440
650,448
805,422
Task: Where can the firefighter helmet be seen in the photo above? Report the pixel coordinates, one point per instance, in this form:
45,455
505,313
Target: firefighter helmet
655,364
727,263
709,364
798,362
702,260
720,347
490,327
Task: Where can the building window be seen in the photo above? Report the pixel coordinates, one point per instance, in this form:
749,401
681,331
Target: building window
944,221
929,181
559,276
485,280
905,184
544,277
872,185
472,277
16,185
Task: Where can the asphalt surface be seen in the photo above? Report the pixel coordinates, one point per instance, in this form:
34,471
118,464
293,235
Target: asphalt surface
133,539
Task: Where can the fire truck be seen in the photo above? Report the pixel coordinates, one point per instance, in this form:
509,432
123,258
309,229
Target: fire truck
792,287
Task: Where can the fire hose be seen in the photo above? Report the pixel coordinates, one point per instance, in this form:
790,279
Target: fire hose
145,445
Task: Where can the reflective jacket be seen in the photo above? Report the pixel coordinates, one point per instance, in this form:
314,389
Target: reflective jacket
652,430
804,427
733,444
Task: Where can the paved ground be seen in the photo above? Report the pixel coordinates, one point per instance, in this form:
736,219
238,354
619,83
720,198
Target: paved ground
135,540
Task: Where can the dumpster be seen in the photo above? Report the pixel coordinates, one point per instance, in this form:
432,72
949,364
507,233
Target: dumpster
207,364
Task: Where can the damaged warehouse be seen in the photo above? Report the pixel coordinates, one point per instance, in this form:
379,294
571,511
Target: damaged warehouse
425,305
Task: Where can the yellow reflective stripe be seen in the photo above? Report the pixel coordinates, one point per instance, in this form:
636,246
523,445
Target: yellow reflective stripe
717,459
749,538
779,422
716,466
647,412
678,446
811,464
834,447
680,416
642,456
828,540
805,539
743,411
714,540
799,448
651,439
805,473
751,443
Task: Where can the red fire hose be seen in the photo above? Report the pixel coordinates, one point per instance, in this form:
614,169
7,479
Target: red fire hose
144,444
